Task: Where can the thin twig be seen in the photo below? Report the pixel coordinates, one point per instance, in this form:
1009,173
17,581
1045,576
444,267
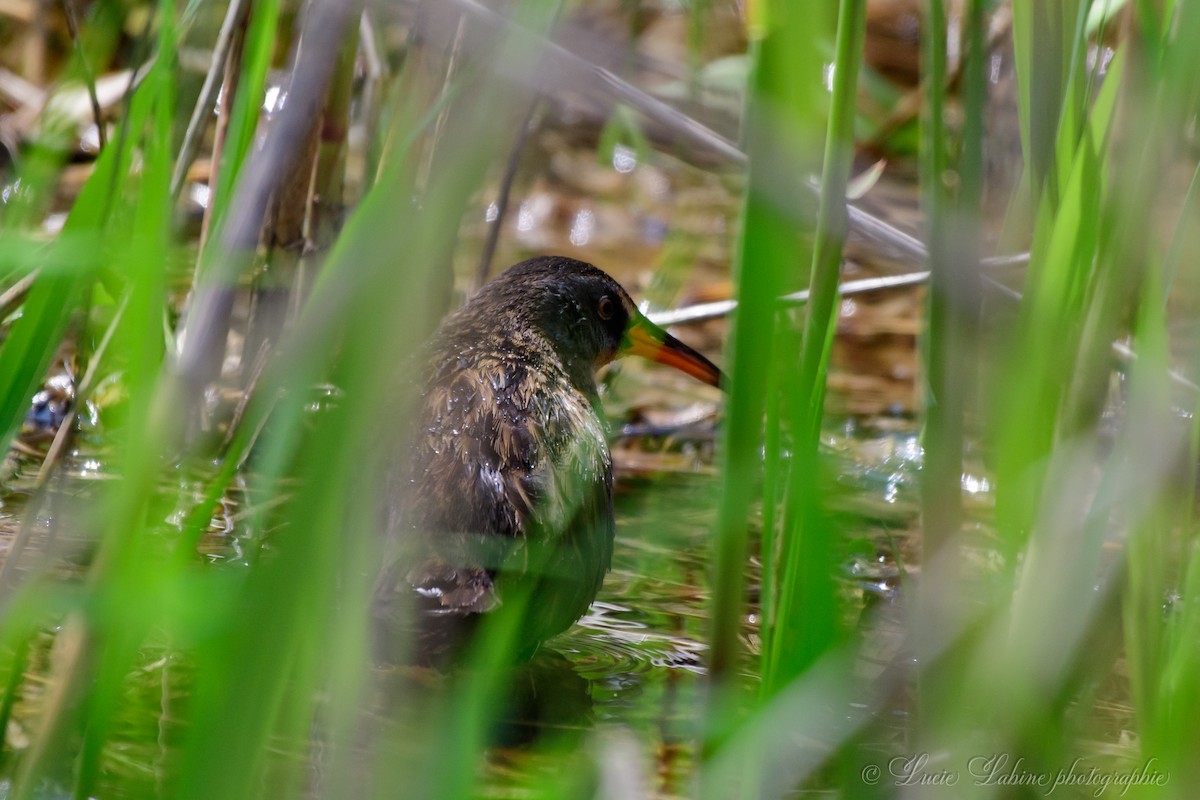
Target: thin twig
372,59
203,339
455,56
231,67
506,182
1123,355
369,101
86,384
88,76
208,95
326,205
703,312
13,296
247,395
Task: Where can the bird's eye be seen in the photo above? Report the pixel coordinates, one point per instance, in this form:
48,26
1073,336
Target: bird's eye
606,307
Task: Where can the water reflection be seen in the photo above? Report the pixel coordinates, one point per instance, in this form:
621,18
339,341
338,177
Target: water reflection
637,658
606,640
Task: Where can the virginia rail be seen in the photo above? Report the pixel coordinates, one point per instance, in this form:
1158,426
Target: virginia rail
507,494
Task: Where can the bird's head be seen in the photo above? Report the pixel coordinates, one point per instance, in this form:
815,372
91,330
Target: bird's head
589,319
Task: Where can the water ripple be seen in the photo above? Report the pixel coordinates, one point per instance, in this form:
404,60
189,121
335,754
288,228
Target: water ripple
607,641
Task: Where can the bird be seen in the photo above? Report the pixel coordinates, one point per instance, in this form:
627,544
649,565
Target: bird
506,493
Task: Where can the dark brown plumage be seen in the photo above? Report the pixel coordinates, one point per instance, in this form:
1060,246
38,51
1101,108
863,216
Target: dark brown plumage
507,491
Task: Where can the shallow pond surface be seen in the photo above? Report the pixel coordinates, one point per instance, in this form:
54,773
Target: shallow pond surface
632,667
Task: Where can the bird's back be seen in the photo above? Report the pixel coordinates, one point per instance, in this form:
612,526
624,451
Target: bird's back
506,497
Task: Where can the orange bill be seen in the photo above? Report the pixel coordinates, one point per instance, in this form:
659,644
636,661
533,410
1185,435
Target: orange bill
644,338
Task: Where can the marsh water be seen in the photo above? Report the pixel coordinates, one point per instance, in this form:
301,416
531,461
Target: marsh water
632,668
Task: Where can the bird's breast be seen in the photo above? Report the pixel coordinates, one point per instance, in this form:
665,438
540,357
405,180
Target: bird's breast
507,446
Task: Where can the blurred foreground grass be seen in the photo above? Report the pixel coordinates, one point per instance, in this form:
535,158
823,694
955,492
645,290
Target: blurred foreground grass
236,332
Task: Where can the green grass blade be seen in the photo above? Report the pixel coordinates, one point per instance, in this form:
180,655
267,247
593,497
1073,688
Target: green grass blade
807,616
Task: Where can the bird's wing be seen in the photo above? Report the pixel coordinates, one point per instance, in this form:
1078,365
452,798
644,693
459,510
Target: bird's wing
509,492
